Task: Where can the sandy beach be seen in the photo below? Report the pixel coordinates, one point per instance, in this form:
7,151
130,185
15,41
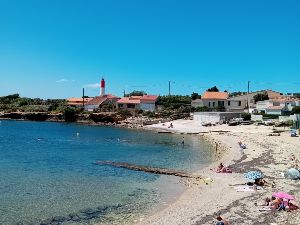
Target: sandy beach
200,204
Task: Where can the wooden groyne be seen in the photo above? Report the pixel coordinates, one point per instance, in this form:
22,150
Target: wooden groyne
155,170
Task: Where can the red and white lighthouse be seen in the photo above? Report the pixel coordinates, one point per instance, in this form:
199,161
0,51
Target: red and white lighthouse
102,87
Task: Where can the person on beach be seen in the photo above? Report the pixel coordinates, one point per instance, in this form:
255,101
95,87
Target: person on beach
242,146
221,221
220,167
182,142
171,125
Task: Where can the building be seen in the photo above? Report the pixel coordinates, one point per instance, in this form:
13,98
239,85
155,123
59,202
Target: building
145,102
277,106
77,102
211,100
231,104
100,101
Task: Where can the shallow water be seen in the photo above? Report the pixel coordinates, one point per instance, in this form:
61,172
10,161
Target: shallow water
49,176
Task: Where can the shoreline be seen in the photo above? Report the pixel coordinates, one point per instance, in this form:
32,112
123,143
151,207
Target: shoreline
200,204
225,154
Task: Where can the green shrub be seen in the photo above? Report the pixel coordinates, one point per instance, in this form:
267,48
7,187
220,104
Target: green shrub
246,116
296,110
70,114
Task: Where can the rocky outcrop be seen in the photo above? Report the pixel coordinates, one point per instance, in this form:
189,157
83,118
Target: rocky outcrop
34,116
105,117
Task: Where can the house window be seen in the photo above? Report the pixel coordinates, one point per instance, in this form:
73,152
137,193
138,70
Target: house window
240,103
228,103
208,104
121,105
213,104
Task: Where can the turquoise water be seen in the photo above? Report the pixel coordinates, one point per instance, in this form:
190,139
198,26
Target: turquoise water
49,176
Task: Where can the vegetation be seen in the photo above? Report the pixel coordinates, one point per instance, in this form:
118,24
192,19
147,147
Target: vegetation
213,89
70,114
246,116
195,96
201,109
174,101
296,110
261,97
15,103
136,93
149,114
233,94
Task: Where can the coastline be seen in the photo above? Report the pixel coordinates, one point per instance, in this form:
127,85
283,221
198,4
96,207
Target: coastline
200,204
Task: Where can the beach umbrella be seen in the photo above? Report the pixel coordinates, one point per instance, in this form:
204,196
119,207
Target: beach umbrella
253,175
281,194
292,173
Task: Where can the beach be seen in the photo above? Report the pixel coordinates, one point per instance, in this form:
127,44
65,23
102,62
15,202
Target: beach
200,204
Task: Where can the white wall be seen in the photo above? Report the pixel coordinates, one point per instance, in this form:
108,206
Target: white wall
256,117
147,106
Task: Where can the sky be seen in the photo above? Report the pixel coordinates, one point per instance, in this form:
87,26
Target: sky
54,48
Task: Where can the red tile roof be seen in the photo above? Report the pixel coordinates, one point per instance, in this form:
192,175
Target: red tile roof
77,101
98,100
129,100
215,95
138,99
149,99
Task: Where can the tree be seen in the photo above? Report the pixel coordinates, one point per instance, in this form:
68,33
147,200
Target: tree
195,96
70,114
296,110
213,89
136,93
173,101
261,97
297,95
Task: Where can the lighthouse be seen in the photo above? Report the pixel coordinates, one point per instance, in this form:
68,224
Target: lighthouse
102,87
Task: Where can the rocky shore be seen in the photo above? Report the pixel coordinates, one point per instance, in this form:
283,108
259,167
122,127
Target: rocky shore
102,119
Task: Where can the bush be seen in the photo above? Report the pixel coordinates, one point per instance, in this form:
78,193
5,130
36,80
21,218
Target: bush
296,110
149,114
124,113
202,109
246,116
70,114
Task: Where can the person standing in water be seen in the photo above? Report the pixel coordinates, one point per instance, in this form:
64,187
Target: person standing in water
182,142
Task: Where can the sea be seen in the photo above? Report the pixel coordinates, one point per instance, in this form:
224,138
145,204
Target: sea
49,175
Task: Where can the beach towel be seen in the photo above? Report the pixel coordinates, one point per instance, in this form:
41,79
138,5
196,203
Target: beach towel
265,208
224,170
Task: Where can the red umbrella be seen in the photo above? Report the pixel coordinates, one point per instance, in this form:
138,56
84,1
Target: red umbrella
281,194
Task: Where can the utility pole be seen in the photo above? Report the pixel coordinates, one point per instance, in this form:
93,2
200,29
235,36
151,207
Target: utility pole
83,97
248,100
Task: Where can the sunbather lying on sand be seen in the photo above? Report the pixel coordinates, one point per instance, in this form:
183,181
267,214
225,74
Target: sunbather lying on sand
261,182
222,169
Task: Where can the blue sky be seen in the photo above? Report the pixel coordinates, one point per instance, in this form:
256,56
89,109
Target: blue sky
54,48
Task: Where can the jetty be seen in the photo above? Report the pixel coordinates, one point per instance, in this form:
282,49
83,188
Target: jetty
147,169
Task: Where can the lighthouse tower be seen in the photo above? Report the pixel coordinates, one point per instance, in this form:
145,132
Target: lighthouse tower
102,87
